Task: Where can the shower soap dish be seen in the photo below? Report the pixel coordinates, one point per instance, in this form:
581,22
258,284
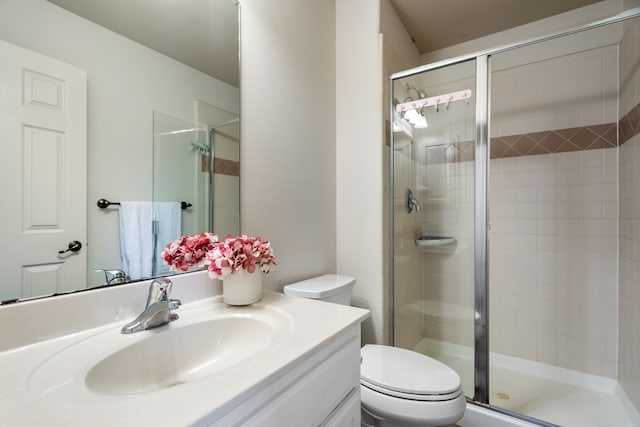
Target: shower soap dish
434,240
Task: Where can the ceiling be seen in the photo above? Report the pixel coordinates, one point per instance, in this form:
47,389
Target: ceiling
436,24
190,30
185,30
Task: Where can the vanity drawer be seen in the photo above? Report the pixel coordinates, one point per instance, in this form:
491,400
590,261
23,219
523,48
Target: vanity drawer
314,397
347,414
314,392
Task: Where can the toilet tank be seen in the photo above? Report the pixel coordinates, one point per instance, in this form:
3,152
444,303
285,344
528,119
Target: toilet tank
330,287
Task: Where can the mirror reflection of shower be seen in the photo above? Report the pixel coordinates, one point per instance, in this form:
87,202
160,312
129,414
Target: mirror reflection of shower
175,178
224,146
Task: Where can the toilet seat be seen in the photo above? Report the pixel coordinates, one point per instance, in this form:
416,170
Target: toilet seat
408,412
406,374
406,387
411,396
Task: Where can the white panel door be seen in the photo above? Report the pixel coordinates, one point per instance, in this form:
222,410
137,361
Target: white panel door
43,139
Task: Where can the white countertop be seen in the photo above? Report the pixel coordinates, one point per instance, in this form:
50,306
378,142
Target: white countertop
31,395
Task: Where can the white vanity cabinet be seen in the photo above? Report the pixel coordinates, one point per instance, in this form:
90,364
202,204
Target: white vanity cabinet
305,372
321,389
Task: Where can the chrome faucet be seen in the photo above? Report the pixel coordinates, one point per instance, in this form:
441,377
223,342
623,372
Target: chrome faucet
411,203
113,277
158,309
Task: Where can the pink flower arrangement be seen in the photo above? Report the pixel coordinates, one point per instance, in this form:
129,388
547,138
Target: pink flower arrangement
189,251
239,253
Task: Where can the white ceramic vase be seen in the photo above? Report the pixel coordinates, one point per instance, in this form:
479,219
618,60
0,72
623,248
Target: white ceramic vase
242,287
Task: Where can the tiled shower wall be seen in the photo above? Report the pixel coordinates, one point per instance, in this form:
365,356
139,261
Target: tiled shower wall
408,329
553,246
566,92
553,259
553,239
629,288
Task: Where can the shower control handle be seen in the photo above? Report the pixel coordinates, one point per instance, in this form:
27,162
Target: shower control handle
411,203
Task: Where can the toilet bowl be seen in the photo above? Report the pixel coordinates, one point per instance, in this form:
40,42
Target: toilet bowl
398,387
408,388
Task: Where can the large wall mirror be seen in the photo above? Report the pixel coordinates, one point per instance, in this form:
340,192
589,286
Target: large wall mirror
133,103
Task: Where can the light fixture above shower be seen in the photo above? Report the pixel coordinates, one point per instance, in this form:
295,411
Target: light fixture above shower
413,111
414,116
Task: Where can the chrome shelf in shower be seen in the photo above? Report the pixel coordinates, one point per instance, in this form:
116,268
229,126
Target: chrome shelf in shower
434,240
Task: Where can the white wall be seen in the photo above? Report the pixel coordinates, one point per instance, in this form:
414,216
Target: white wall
359,142
400,53
312,140
126,83
288,130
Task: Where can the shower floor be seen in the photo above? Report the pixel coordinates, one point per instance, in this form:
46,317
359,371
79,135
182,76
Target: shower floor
533,389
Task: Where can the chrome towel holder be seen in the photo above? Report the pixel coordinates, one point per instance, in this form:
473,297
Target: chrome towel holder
104,203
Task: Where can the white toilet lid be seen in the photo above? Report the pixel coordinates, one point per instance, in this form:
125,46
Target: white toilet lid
405,371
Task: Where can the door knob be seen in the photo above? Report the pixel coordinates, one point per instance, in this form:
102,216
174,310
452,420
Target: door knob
74,246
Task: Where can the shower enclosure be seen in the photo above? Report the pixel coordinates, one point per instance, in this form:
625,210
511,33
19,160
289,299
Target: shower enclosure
514,222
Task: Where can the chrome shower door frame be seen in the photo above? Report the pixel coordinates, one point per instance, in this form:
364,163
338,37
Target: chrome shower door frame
481,237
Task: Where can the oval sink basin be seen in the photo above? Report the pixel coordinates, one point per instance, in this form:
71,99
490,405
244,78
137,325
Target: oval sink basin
212,340
179,355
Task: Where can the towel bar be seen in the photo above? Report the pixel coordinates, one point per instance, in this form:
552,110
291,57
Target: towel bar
104,203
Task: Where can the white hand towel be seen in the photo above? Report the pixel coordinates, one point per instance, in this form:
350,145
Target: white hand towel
168,227
136,239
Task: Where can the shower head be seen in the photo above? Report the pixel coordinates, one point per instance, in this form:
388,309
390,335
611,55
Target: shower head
419,92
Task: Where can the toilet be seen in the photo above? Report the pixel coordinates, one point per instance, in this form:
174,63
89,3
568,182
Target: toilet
398,387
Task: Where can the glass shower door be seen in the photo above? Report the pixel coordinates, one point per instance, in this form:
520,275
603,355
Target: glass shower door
554,216
433,216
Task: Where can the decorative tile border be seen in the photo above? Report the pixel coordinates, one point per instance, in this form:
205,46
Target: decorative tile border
607,135
226,167
220,166
555,141
629,125
529,144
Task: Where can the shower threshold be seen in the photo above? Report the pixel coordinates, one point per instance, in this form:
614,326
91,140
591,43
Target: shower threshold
555,395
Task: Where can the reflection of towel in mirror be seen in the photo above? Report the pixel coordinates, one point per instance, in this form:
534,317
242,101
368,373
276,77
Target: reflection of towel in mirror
168,219
136,239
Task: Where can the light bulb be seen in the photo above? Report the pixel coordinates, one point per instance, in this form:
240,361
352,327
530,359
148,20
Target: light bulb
411,116
421,123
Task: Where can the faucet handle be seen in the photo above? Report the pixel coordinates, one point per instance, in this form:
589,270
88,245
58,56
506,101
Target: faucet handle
159,291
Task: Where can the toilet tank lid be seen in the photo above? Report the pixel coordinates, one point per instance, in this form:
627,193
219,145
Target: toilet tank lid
321,286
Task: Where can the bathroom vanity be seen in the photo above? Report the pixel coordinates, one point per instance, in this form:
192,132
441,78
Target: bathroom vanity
282,361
